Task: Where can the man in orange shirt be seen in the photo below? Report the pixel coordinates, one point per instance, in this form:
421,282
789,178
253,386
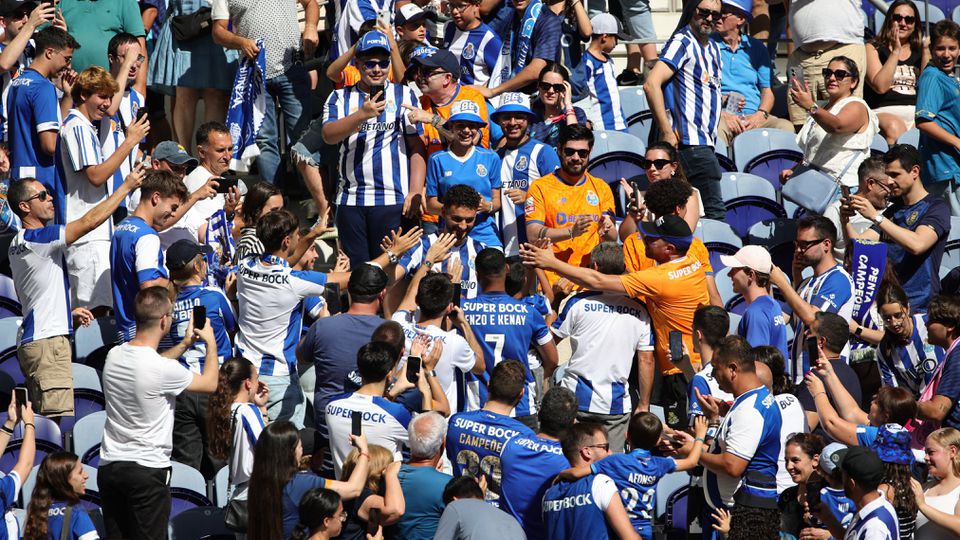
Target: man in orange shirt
673,290
572,208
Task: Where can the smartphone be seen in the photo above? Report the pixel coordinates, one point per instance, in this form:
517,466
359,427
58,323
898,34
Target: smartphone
331,294
20,393
414,364
845,191
356,417
676,345
813,351
373,522
226,181
795,72
199,317
813,494
141,112
457,293
637,196
377,89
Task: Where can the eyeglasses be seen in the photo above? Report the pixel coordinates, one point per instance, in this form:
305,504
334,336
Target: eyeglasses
458,7
584,154
382,64
425,76
909,19
656,163
602,446
558,88
879,182
41,195
69,59
457,126
840,74
803,245
709,14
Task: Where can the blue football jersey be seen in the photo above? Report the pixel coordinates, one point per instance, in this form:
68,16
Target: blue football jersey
528,465
636,475
479,170
576,510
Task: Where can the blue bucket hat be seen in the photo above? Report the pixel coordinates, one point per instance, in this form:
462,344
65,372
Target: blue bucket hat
514,102
893,444
465,111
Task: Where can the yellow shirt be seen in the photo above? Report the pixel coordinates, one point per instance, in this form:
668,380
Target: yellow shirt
673,291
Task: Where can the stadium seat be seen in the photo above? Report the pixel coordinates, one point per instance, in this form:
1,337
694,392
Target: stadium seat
777,235
951,253
221,484
723,157
10,364
766,152
936,15
48,439
9,326
675,516
7,384
87,437
734,323
101,333
719,238
749,199
956,14
9,303
667,486
188,489
637,113
204,522
617,155
911,137
879,146
87,395
724,285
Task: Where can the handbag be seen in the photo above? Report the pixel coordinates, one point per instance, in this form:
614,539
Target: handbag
235,511
192,26
814,189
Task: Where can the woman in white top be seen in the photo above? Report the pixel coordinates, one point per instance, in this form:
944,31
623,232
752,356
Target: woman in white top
939,500
836,138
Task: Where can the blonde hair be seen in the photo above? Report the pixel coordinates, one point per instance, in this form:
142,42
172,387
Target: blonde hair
93,81
380,458
947,437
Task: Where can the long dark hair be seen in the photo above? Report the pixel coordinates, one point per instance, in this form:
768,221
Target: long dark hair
672,155
254,201
233,373
274,467
53,484
316,506
887,35
898,477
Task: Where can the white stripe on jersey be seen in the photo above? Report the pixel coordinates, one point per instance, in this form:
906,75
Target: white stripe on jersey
112,134
466,253
39,275
80,148
470,47
694,91
518,169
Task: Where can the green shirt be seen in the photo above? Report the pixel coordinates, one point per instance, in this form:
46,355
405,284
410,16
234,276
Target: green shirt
94,23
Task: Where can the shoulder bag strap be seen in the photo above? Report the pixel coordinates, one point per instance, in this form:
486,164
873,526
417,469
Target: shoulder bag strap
66,530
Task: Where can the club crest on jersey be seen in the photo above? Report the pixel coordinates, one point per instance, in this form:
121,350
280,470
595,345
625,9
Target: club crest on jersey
469,52
391,107
928,365
562,200
521,163
914,216
592,198
481,170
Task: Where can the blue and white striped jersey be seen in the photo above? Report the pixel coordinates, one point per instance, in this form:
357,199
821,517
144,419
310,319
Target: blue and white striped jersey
594,79
909,365
112,134
466,252
693,94
636,475
519,167
750,431
78,147
707,384
577,510
606,331
479,51
373,161
831,291
32,108
875,521
270,297
221,319
135,258
39,274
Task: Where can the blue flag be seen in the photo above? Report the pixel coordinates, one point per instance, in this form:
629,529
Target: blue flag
248,104
220,239
869,262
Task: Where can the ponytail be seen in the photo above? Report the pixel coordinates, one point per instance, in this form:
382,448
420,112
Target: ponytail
233,373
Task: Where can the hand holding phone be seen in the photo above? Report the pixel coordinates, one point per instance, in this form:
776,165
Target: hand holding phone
226,181
21,396
199,317
813,351
457,293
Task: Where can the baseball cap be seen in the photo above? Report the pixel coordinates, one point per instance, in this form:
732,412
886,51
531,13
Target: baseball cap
440,58
412,12
174,153
744,8
862,465
831,455
367,280
183,251
755,258
373,39
9,7
465,111
671,228
514,102
606,23
893,444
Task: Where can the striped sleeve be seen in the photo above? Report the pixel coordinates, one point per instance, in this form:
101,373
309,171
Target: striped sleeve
673,52
82,146
332,108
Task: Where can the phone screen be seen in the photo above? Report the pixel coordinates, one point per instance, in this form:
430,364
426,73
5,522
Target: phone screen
20,393
331,295
356,418
199,317
676,345
413,368
813,351
373,523
457,293
377,89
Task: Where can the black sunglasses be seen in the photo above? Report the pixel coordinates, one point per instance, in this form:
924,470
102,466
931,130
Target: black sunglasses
558,88
382,64
709,14
840,74
657,163
41,195
804,245
584,154
909,19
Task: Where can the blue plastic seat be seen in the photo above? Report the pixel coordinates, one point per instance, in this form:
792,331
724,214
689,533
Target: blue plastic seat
204,522
777,235
951,253
636,111
723,157
879,146
749,199
9,326
101,333
911,137
617,155
87,437
188,489
719,238
724,285
766,152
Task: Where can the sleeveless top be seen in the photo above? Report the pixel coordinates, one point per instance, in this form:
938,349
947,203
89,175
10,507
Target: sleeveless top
928,530
904,89
831,153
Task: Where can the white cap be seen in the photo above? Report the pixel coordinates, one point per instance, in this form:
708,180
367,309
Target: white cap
606,23
756,258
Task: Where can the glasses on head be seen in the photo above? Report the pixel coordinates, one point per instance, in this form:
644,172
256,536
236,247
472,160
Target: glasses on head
803,245
558,88
840,74
602,446
709,14
382,64
656,163
909,19
583,153
42,196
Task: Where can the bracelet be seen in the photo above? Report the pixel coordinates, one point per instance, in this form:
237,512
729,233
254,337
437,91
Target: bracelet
392,258
436,120
28,424
700,439
818,394
571,232
364,454
570,111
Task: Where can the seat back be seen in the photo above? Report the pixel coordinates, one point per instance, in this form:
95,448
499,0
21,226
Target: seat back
101,333
221,485
750,144
205,522
87,437
951,252
9,326
636,111
879,146
719,238
737,185
667,486
911,137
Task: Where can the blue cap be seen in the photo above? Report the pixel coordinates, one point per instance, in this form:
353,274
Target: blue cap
465,111
893,444
373,39
514,102
744,6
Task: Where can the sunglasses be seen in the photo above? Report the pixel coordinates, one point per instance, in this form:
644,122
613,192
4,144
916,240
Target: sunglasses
709,14
41,195
382,64
656,163
803,245
840,74
558,88
427,75
909,19
602,446
584,154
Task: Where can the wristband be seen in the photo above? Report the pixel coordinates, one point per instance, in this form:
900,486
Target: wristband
819,394
571,232
858,332
28,424
6,430
700,439
432,373
364,454
570,111
436,120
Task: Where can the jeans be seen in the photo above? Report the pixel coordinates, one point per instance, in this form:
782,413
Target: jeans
700,165
286,401
292,91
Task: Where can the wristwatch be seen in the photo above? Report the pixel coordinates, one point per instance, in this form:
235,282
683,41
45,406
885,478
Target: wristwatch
858,331
879,219
428,263
766,115
392,257
813,109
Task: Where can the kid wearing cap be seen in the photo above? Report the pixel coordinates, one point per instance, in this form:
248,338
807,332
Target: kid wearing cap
595,78
762,322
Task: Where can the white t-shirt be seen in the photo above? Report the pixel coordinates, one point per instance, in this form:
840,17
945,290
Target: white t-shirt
606,330
79,149
456,360
39,275
384,423
246,431
140,387
198,214
793,420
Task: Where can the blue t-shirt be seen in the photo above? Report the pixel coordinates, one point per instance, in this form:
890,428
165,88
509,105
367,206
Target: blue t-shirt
746,71
839,504
423,492
938,100
762,324
221,318
573,510
33,108
293,492
135,258
636,475
481,171
950,387
474,442
920,274
81,526
527,467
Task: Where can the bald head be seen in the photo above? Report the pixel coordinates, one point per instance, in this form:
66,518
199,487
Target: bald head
764,374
